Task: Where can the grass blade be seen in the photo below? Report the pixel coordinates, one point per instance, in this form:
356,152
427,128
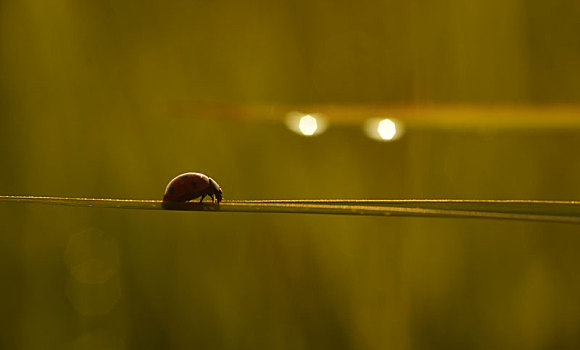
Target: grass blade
530,210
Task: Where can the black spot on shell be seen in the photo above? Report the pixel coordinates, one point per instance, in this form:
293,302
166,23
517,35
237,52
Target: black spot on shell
170,190
194,184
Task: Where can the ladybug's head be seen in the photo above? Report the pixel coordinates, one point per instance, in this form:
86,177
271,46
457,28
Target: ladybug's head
216,189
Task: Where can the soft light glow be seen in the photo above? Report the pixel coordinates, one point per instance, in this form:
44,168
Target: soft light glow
92,258
306,124
387,129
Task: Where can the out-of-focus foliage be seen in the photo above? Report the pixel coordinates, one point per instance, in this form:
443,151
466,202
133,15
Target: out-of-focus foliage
84,88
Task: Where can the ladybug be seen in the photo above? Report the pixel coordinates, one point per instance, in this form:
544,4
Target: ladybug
188,186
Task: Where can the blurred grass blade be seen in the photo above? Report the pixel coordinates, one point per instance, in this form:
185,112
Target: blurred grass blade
531,210
446,116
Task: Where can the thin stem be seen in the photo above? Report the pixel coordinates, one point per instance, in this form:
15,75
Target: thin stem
529,210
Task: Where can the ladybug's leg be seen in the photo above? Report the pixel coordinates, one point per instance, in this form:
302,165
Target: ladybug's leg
202,196
211,195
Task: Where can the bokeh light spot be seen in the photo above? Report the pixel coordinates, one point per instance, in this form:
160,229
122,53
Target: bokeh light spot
308,125
92,256
97,339
387,129
383,129
93,299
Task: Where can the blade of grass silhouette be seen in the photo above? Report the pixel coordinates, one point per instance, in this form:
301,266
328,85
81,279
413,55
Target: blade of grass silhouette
529,210
540,207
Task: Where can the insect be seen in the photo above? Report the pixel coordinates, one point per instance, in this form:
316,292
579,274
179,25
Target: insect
188,186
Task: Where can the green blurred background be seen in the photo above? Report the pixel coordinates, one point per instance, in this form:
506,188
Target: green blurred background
85,90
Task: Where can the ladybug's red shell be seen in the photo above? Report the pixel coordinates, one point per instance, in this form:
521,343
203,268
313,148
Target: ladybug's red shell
188,186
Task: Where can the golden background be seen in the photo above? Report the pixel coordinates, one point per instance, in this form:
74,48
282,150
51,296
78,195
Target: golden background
86,94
